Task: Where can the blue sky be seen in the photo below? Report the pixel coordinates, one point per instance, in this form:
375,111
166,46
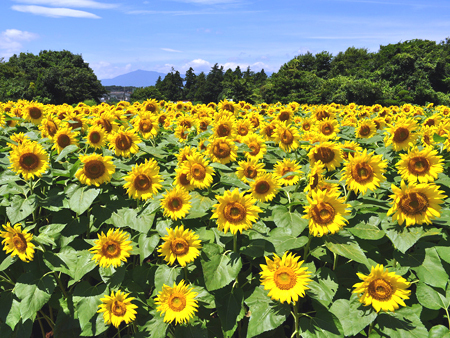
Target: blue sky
119,36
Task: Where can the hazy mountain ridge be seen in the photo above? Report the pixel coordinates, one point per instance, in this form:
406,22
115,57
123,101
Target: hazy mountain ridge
137,78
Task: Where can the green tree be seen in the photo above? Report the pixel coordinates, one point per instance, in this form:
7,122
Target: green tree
201,85
172,86
189,85
145,93
214,86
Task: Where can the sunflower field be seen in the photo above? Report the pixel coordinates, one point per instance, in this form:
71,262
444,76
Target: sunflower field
168,219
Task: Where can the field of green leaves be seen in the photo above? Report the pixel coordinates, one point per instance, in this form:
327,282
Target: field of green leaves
167,219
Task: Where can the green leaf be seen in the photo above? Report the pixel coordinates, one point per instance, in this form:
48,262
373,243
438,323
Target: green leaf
430,298
326,287
113,276
82,199
7,261
229,303
200,205
147,245
155,152
156,327
399,325
166,275
127,217
230,179
402,237
265,314
219,166
86,299
431,270
292,221
439,331
347,248
352,315
21,208
369,230
190,331
66,151
49,234
283,242
220,269
323,325
34,292
10,309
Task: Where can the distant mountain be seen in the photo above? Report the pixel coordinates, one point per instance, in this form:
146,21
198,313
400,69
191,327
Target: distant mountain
138,78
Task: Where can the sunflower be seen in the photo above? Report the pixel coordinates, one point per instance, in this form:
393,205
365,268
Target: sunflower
96,137
180,245
364,172
124,142
284,277
287,137
29,159
328,152
64,137
222,150
349,149
143,181
328,128
18,138
382,289
33,112
249,170
416,203
107,120
306,123
256,144
117,308
285,115
181,180
151,106
176,203
49,126
224,127
198,172
146,124
420,165
401,135
235,212
426,135
267,130
17,242
315,176
202,124
111,249
182,133
97,169
229,106
176,303
243,128
366,129
265,187
76,120
286,166
325,213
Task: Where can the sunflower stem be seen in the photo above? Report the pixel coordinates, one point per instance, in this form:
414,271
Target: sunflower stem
335,261
60,285
185,273
370,328
297,333
47,319
235,247
7,280
306,249
41,326
448,318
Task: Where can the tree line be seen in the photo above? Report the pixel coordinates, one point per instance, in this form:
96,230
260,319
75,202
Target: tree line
414,71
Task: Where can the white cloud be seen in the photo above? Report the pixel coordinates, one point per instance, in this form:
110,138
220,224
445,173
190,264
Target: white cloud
171,50
55,12
199,65
208,2
105,70
11,41
69,3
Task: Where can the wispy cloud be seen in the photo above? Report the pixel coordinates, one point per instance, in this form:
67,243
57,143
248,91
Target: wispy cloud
55,12
69,3
208,2
11,41
172,50
171,12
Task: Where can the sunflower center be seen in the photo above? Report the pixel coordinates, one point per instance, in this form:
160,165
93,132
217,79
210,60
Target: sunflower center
162,119
150,107
63,140
94,169
203,125
142,182
321,115
414,203
306,126
285,171
177,302
250,171
262,187
95,137
123,142
269,130
35,113
51,128
323,213
284,116
287,137
285,278
324,154
179,246
255,147
198,171
145,126
228,107
29,161
175,204
221,150
118,308
183,180
223,130
243,130
255,121
20,243
362,172
111,249
401,135
364,131
76,123
380,289
234,212
418,165
327,129
314,181
106,125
